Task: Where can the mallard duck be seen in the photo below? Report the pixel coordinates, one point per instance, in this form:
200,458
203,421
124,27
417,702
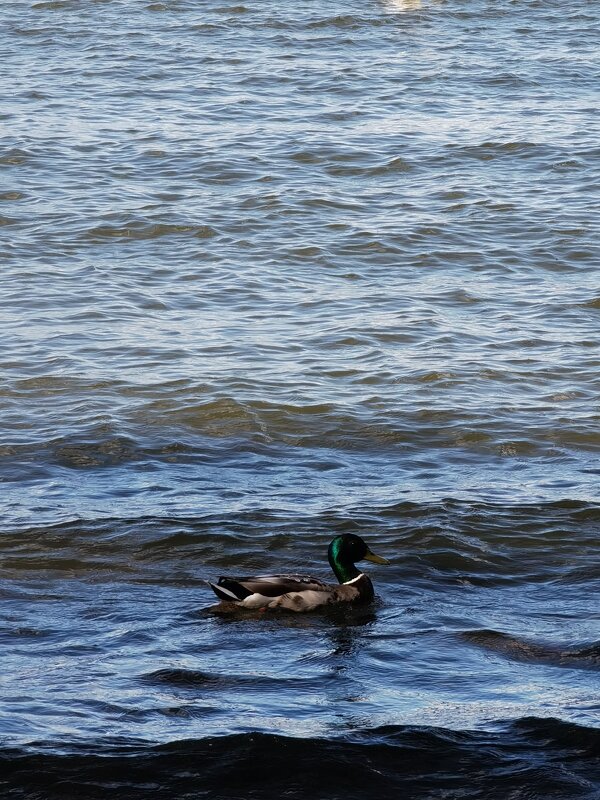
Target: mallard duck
301,592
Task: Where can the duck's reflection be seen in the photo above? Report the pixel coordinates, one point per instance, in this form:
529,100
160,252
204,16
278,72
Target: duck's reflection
316,666
348,637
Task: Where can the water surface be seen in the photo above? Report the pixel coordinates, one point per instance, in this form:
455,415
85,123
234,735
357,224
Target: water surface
273,272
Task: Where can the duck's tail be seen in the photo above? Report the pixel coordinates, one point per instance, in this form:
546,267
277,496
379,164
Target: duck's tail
229,590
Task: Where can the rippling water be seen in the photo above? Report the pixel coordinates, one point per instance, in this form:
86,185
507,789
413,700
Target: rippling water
272,272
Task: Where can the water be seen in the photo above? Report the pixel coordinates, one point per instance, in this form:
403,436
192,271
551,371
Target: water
273,272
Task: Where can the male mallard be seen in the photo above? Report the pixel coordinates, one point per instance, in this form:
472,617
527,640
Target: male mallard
301,592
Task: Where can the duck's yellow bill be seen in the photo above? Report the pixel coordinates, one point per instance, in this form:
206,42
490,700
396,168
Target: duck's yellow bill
375,559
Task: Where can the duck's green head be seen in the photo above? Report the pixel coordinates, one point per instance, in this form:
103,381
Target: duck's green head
345,551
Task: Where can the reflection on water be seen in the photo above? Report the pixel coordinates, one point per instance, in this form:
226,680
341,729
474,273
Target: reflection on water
404,5
411,5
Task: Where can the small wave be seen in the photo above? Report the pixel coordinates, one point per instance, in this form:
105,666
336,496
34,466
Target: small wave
486,151
531,758
594,303
184,677
583,656
55,5
190,679
343,21
141,229
451,543
15,157
237,9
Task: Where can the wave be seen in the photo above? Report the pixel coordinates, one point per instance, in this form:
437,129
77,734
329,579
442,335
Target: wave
586,656
197,424
148,229
531,758
430,544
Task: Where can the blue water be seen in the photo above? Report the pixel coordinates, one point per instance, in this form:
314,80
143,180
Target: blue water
271,273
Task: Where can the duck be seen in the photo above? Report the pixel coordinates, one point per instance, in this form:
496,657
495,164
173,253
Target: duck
303,592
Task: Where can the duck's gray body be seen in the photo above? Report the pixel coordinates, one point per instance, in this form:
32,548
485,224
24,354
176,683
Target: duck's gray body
303,592
291,592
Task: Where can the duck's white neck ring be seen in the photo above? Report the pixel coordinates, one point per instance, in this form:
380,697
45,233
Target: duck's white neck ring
358,577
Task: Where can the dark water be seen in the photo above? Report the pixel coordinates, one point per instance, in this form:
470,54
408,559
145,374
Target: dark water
271,272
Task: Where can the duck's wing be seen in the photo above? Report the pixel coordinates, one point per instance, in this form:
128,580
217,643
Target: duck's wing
310,599
266,586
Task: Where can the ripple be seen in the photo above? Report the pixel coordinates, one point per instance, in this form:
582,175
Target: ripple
149,230
586,657
426,758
